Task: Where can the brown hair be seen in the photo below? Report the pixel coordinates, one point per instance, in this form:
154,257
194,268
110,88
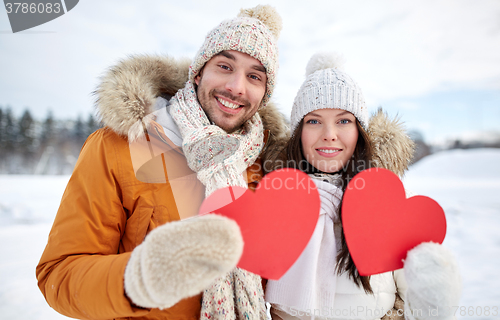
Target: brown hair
360,161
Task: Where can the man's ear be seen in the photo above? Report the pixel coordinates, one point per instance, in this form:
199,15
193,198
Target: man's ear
197,79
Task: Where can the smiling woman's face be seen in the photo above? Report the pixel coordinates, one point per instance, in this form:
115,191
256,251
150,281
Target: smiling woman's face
329,138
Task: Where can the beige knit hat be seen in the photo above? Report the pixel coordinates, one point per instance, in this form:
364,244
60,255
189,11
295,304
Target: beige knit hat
255,32
327,86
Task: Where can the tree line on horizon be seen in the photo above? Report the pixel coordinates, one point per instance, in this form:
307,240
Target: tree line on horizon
52,146
48,146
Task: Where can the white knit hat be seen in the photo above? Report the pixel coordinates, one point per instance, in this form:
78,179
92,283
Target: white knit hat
255,32
327,86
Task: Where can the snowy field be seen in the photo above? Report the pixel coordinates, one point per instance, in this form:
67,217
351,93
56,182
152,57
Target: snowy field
465,182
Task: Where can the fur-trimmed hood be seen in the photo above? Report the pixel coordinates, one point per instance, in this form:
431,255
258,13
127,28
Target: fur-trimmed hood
392,147
128,91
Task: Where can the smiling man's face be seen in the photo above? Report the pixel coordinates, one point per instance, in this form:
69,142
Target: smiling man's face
231,87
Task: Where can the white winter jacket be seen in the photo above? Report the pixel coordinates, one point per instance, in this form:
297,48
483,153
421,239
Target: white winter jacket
349,301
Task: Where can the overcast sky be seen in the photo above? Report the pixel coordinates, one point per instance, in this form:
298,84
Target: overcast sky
434,63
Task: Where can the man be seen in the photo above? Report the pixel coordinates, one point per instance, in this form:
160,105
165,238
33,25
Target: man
116,249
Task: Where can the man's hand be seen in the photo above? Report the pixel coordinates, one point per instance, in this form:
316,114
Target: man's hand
180,259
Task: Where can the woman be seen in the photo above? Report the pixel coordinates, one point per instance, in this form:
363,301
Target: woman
330,142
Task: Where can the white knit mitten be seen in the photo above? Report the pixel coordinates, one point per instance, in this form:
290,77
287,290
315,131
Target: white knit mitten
181,259
434,283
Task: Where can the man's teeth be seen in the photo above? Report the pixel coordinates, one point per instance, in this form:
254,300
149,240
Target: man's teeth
228,104
328,150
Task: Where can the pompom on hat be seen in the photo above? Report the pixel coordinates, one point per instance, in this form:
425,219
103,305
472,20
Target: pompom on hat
327,86
254,31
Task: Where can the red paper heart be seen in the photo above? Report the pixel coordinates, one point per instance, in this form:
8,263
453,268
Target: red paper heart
276,221
381,224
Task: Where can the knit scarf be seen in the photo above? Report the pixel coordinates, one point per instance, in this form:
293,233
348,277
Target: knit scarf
219,159
310,284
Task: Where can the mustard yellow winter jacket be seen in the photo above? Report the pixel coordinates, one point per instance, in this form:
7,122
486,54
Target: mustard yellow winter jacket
118,193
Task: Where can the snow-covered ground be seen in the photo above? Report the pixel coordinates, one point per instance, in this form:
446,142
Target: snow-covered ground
28,205
465,182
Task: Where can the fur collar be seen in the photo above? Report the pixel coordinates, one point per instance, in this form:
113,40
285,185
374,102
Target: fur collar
392,147
128,91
